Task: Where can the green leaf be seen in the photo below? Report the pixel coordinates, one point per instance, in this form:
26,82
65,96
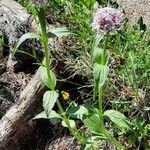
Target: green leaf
53,114
51,35
60,32
89,3
78,112
26,36
119,119
97,55
100,73
97,40
87,146
42,18
93,123
92,143
49,100
72,123
43,74
147,108
41,115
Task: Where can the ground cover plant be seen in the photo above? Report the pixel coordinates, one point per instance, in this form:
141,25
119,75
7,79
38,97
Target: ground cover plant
119,74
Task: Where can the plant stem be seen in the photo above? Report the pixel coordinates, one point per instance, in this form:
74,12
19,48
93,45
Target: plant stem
104,57
101,101
100,105
42,21
103,130
100,88
73,130
94,91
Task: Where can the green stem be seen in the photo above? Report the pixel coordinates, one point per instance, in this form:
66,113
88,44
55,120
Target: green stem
42,21
100,101
103,130
104,57
74,130
100,105
94,91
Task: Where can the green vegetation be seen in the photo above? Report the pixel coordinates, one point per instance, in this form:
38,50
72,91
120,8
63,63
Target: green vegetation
122,97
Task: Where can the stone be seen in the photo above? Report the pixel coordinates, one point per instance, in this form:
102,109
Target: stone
134,9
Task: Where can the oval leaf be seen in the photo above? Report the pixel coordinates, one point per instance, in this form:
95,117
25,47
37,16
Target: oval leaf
93,123
49,100
119,119
53,114
78,112
43,74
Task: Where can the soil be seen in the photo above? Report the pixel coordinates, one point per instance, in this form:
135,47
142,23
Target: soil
45,136
11,85
49,137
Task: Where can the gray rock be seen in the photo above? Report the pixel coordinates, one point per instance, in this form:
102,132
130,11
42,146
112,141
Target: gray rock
134,9
14,20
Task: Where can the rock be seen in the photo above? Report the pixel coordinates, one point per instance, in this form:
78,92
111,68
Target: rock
134,9
14,20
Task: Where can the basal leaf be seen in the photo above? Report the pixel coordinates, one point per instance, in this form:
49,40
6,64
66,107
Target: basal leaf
41,115
147,108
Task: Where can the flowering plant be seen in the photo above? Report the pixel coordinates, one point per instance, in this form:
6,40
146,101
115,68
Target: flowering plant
51,96
107,19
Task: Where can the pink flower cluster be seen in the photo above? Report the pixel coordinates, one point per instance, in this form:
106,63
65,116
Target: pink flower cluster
107,19
39,3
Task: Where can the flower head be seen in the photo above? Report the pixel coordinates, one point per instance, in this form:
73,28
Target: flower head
39,3
65,95
107,19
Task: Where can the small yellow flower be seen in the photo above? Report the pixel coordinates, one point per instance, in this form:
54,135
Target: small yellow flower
65,95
